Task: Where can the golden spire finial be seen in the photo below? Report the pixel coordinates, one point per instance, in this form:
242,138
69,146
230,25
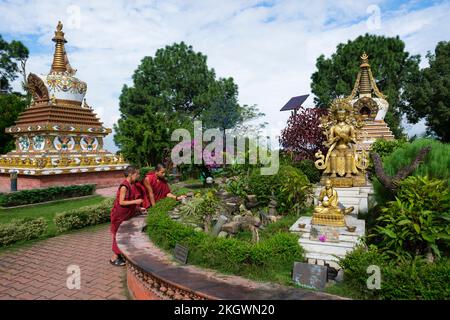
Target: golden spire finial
365,60
59,59
365,57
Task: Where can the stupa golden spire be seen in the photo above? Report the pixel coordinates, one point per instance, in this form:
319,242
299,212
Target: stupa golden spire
59,58
365,83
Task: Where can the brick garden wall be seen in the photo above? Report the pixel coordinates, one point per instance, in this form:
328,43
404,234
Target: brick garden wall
102,179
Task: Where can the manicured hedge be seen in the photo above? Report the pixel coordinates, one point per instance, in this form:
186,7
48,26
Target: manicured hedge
21,229
42,195
270,259
415,279
85,216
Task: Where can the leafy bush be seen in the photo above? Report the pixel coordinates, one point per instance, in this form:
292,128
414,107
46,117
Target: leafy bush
238,186
85,216
386,147
417,222
269,258
434,166
48,194
22,229
290,187
310,170
412,279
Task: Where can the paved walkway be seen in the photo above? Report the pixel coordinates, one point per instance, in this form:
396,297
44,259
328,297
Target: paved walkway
107,192
39,271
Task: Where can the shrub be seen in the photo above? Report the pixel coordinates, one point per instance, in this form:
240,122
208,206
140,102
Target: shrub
417,221
290,187
85,216
310,170
412,279
434,166
238,186
386,147
22,229
48,194
273,255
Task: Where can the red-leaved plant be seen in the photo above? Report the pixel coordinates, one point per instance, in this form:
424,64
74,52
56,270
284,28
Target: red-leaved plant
303,137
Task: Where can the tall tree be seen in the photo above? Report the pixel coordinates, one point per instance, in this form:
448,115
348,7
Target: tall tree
428,93
10,54
391,66
170,91
11,104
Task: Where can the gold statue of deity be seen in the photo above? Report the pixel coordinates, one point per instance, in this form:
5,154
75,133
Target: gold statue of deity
329,213
342,163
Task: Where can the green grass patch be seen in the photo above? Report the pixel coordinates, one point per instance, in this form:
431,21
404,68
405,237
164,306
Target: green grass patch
47,211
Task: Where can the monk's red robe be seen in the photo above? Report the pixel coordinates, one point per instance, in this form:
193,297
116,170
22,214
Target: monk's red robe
121,213
141,193
160,187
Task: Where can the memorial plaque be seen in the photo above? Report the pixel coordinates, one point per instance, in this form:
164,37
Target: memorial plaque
309,275
181,253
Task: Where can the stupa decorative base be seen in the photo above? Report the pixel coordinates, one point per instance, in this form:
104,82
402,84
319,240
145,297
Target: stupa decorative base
336,241
24,182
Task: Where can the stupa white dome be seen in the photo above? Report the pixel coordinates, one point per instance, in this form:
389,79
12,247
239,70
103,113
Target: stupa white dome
64,86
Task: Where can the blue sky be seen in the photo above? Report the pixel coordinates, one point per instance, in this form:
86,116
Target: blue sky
268,47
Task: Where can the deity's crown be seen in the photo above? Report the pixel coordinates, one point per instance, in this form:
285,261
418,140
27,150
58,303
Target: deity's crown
340,105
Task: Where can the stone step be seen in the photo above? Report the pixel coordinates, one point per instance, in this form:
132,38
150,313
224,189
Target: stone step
350,220
320,247
344,238
321,256
373,128
343,244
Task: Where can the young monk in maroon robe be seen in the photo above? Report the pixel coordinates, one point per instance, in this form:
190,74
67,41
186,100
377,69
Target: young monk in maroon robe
157,186
125,206
141,193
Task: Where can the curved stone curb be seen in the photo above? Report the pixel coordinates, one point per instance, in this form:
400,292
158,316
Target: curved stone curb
152,274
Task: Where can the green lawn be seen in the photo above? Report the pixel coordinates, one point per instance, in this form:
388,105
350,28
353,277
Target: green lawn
47,211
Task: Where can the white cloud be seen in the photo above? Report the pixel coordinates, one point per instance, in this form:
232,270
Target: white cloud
269,48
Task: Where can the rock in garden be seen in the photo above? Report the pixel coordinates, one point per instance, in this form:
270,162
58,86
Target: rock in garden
231,227
231,206
222,234
218,226
237,218
198,229
340,276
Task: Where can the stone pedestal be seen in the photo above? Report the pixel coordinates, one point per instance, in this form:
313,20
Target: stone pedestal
361,198
318,252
